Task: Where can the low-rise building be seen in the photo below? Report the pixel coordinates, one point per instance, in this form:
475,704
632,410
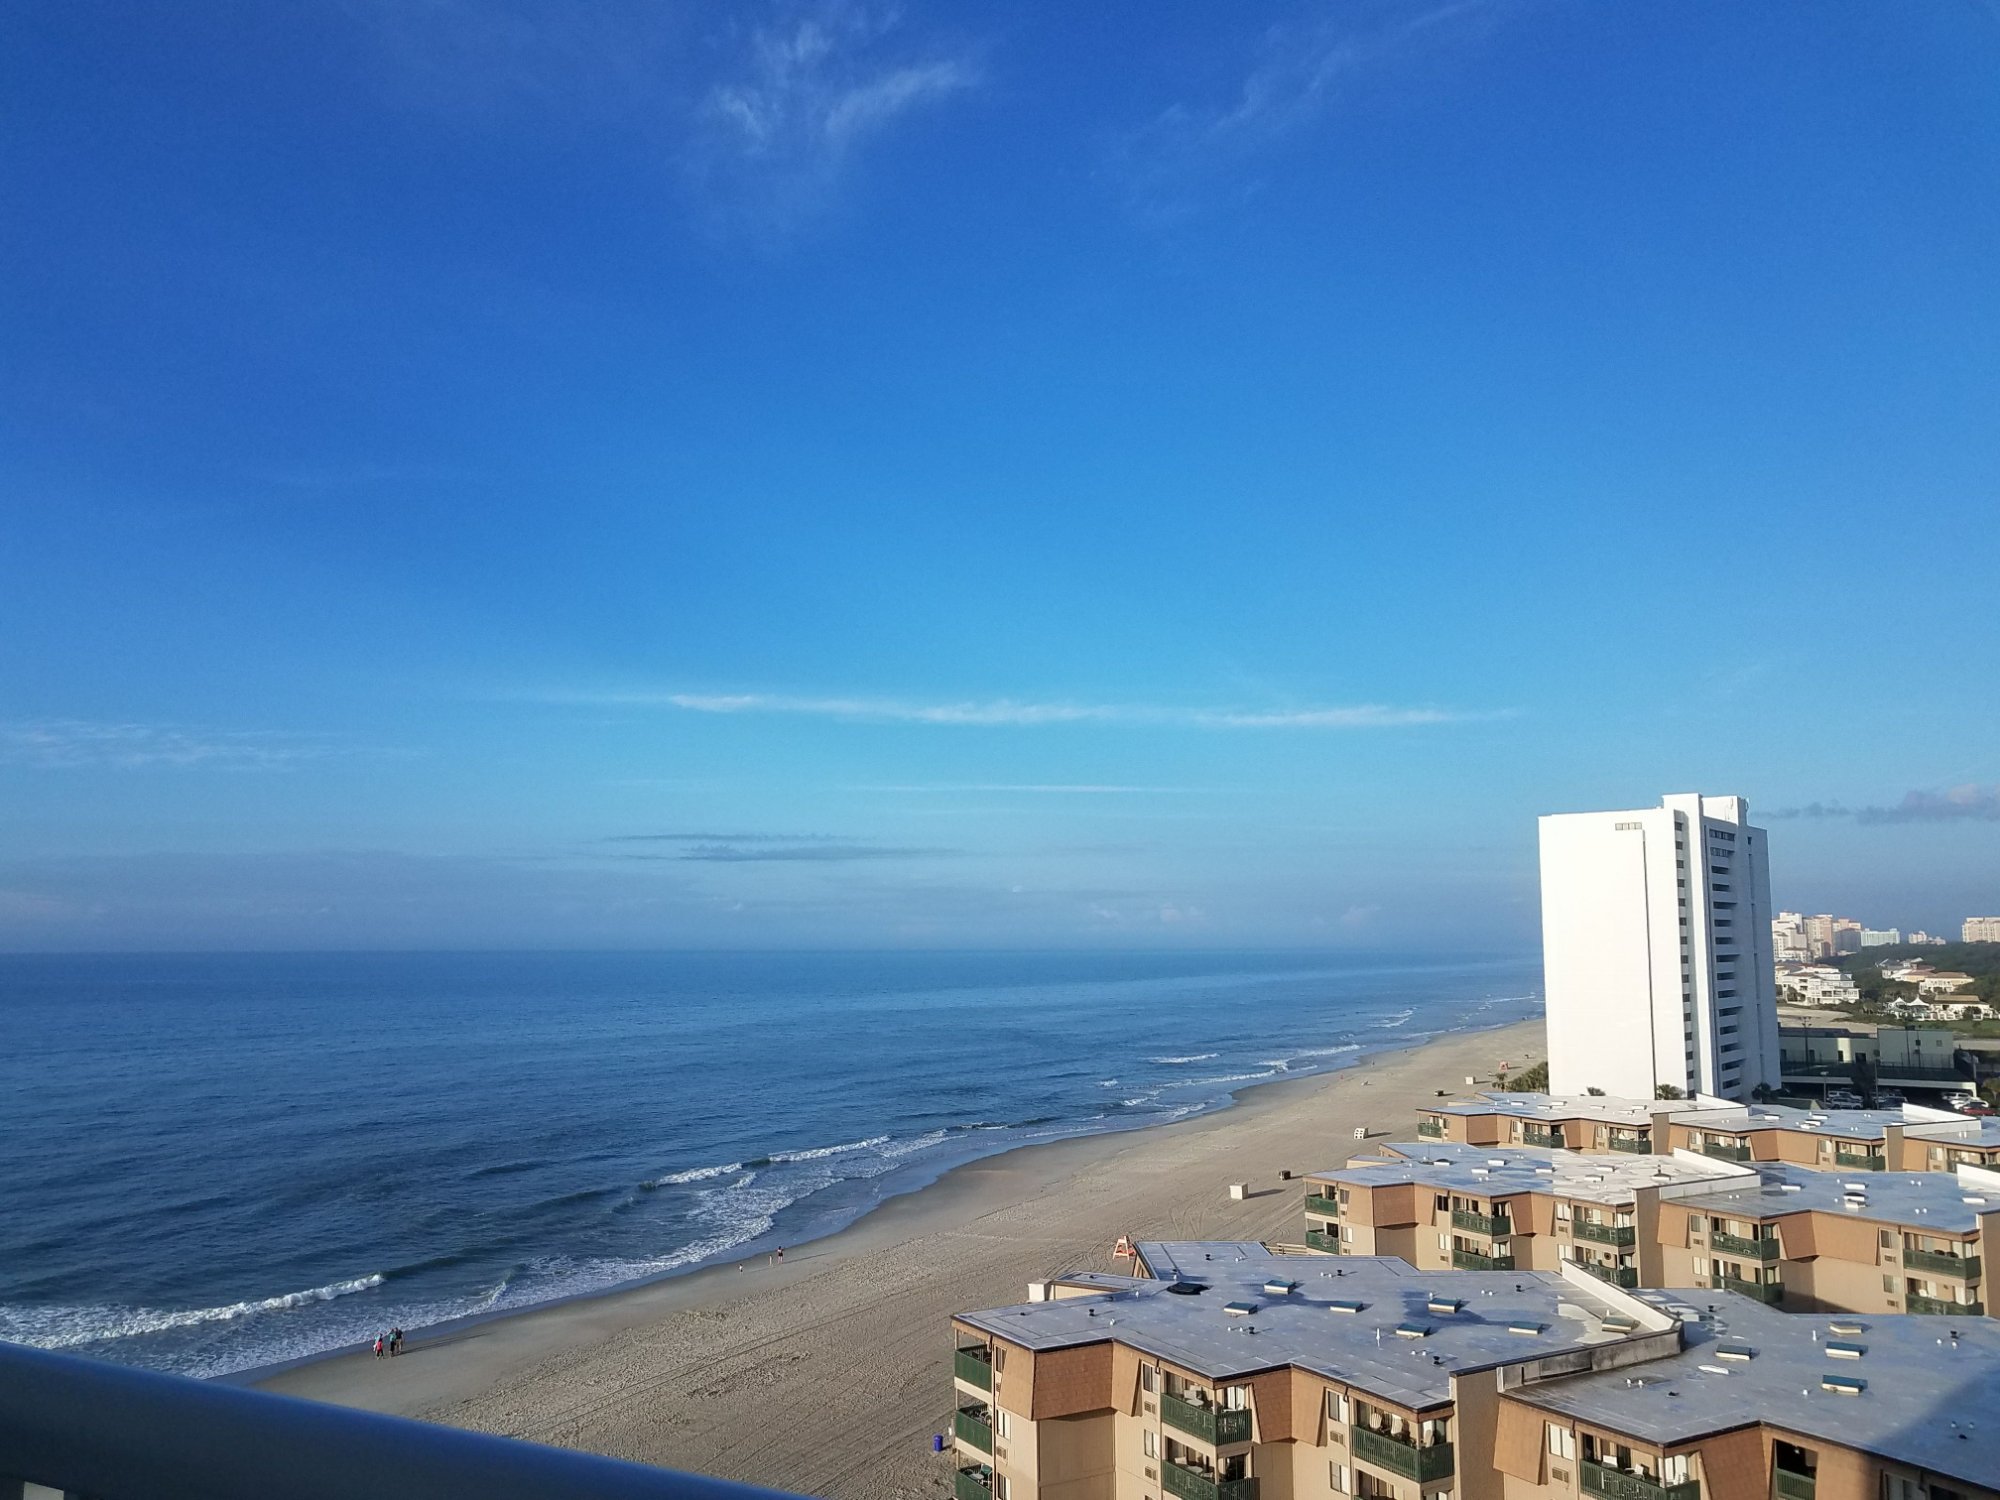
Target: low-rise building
1595,1123
1980,930
1759,1403
1815,984
1913,1057
1489,1208
1226,1371
1864,1242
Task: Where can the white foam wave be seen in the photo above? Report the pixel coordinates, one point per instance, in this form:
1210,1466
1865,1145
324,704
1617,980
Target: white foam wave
1283,1064
67,1327
1238,1078
1193,1057
819,1152
697,1174
1107,1083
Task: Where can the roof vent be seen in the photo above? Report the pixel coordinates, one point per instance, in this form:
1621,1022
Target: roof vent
1788,1187
1738,1352
1524,1327
1836,1349
1846,1325
1345,1306
1843,1385
1186,1288
1619,1322
1275,1288
1712,1369
1239,1309
1445,1305
1413,1330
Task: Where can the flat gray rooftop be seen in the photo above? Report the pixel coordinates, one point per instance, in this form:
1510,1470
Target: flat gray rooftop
1928,1399
1498,1171
1962,1130
1934,1201
1847,1124
1549,1107
1504,1317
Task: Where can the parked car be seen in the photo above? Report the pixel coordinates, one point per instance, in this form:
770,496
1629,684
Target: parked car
1960,1100
1842,1099
1889,1099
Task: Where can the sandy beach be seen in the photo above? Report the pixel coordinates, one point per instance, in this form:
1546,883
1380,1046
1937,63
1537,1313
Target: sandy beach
827,1374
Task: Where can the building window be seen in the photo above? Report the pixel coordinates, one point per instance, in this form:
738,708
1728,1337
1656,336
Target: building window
999,1358
1001,1488
1562,1442
1149,1443
1888,1283
1149,1379
1888,1238
1336,1407
1336,1478
1674,1469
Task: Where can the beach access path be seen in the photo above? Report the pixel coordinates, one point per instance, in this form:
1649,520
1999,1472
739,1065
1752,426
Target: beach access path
827,1373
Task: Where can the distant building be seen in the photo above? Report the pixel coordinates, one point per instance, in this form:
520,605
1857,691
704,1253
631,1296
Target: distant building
1656,950
1789,942
1880,937
1923,940
1981,930
1817,984
1944,982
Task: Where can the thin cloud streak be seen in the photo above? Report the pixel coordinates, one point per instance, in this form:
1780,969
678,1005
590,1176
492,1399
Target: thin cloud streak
1039,789
1008,712
1969,803
64,744
733,854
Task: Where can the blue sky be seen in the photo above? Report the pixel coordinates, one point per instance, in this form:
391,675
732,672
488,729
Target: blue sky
826,473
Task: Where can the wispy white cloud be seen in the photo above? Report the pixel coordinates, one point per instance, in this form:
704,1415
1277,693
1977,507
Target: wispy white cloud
1970,803
1299,70
1013,712
1055,789
55,744
805,92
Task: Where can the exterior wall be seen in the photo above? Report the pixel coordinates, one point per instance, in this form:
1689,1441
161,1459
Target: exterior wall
1073,1458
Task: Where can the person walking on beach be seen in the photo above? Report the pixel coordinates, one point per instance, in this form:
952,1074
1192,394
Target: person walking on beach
395,1342
378,1346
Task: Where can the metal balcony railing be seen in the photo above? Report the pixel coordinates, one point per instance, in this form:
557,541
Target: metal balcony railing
1432,1130
1633,1144
1867,1161
1763,1291
1605,1234
1791,1486
974,1367
1937,1263
1616,1484
1321,1204
1943,1307
1493,1226
1722,1151
1736,1244
1541,1135
1192,1484
1211,1424
1319,1239
974,1426
1472,1260
1385,1452
117,1433
1625,1276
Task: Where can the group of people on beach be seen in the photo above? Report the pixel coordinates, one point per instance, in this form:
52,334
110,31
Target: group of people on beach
390,1343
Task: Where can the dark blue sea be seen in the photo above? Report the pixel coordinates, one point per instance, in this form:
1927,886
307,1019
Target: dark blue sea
211,1163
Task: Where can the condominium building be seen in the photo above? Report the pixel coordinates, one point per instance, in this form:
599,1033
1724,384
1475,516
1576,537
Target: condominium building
1789,940
1571,1122
1908,1138
1759,1403
1865,1242
1817,984
1880,937
1980,930
1656,949
1482,1208
1225,1372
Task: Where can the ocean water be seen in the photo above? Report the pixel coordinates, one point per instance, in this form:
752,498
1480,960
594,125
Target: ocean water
212,1163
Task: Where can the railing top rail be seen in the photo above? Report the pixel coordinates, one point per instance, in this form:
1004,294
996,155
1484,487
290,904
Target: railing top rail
120,1433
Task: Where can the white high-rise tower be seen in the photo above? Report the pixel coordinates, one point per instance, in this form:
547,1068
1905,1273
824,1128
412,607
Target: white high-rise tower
1656,950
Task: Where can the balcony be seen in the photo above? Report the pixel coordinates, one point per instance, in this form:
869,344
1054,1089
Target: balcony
1398,1457
1625,1276
973,1425
976,1483
1472,1260
85,1427
1320,1239
1192,1484
1537,1135
1493,1226
974,1367
1942,1307
1605,1234
1636,1145
1763,1291
1788,1485
1736,1244
1937,1263
1724,1151
1431,1130
1616,1484
1325,1207
1217,1426
1867,1161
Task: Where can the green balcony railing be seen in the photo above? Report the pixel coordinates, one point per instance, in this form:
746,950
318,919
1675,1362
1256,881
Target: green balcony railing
1192,1484
1325,1207
1385,1452
1431,1129
1937,1263
1605,1234
1722,1151
1867,1161
1763,1291
1943,1307
1539,1135
1636,1145
1493,1226
1736,1244
1625,1276
1792,1486
974,1367
1212,1424
1320,1239
1616,1484
974,1428
973,1484
1472,1260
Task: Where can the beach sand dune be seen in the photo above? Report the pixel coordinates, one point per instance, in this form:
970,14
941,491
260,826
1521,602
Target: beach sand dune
827,1374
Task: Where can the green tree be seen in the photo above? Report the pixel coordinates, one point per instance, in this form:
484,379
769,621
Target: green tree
1863,1074
1667,1091
1533,1080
